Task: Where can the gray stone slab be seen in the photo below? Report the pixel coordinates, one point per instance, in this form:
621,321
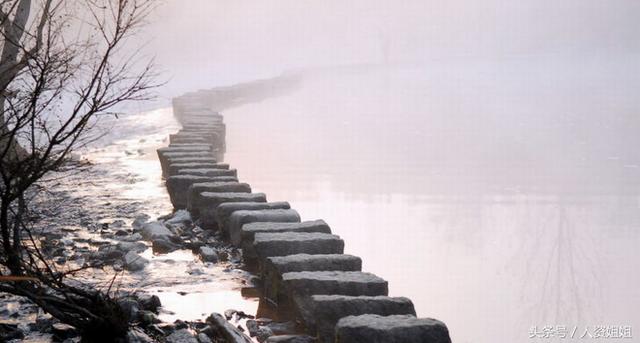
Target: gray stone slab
178,186
169,157
224,211
306,262
274,267
334,282
373,328
249,230
189,140
321,313
184,147
208,213
195,201
206,159
165,153
240,218
291,243
190,145
175,167
214,172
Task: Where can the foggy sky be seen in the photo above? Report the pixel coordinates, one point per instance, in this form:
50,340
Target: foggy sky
204,43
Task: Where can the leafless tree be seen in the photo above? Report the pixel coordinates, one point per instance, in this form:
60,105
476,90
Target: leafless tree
63,65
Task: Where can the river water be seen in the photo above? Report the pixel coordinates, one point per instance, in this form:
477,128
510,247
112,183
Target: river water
500,198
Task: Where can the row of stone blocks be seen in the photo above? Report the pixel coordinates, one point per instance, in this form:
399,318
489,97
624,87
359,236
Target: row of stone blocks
301,263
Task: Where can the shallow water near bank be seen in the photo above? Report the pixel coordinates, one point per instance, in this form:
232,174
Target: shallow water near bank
123,182
188,288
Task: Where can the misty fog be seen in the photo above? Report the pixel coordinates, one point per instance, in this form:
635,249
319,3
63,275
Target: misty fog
480,155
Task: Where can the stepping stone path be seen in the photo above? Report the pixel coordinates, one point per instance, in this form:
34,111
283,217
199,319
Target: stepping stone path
301,263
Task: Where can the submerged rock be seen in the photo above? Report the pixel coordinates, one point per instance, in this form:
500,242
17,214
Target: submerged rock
181,336
162,246
156,230
208,254
125,247
134,262
149,302
264,333
180,217
139,221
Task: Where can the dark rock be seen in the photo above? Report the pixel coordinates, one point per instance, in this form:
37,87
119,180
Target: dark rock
373,328
222,328
179,324
202,338
252,327
156,230
139,221
178,186
264,333
148,318
129,306
282,328
63,331
9,332
181,336
149,302
228,314
208,254
292,339
134,262
161,246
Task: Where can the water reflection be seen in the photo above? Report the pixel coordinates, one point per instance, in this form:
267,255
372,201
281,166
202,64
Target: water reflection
488,199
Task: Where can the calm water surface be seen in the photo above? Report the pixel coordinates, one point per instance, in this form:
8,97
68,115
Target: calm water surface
498,198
